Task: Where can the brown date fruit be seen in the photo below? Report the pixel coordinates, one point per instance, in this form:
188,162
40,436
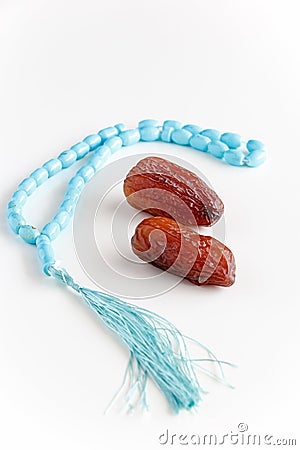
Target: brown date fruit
174,247
163,188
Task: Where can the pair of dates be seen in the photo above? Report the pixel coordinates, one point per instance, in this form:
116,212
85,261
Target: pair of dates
178,199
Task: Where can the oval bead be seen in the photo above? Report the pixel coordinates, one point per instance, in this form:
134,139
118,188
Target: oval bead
130,137
28,185
120,127
40,175
166,134
45,252
172,123
15,222
69,206
233,140
72,194
93,141
253,145
96,162
62,218
77,182
28,233
104,152
211,133
200,142
255,158
19,198
67,158
12,208
217,148
51,230
149,134
234,157
108,132
148,123
181,136
53,166
115,143
81,149
194,129
86,172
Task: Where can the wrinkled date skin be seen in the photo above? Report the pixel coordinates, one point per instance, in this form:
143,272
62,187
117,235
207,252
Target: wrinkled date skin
163,188
174,247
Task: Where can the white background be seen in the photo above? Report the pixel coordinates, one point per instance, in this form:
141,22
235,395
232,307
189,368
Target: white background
69,68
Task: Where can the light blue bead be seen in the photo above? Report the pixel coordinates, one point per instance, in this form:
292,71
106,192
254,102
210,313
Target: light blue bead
234,157
28,233
233,140
40,175
68,205
13,208
217,148
104,152
108,132
19,198
148,123
77,182
200,142
53,166
166,134
181,136
130,137
256,158
172,123
211,133
67,158
28,185
253,145
149,134
72,194
52,230
115,143
16,221
86,172
194,129
81,149
96,162
120,127
62,218
45,252
93,140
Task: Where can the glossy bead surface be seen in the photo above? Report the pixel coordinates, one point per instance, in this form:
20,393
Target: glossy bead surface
77,182
234,157
51,230
108,132
181,136
40,175
148,123
130,137
93,141
81,149
211,133
67,205
53,166
255,158
28,185
200,142
45,252
19,198
149,133
115,143
67,158
86,173
166,134
172,123
253,145
72,194
96,162
120,127
28,233
233,140
194,129
104,152
217,148
62,218
13,208
16,221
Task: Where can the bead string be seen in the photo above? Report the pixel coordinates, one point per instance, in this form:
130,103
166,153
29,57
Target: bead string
226,146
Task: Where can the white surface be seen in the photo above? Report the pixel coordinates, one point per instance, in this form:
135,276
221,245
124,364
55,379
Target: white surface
70,68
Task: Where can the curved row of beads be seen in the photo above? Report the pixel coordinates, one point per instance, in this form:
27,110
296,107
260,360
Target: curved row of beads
102,145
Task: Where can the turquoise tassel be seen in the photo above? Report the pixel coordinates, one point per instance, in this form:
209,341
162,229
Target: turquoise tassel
157,348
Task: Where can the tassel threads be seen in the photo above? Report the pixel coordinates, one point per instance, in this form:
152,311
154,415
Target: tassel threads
157,348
